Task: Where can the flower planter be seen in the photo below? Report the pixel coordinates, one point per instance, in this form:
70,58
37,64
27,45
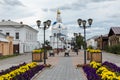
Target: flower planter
97,57
88,55
37,57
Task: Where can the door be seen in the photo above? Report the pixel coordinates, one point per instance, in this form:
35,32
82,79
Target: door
16,48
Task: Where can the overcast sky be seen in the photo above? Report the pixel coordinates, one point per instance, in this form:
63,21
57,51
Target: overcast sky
105,13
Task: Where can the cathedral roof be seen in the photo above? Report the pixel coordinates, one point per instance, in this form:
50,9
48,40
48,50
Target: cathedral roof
57,25
60,34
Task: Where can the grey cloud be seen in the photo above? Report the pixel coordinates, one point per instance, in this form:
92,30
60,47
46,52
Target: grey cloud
14,9
74,6
80,4
53,9
70,22
112,20
45,10
0,2
101,0
13,3
64,8
115,15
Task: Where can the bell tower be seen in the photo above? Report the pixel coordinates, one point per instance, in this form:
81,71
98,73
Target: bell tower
59,31
59,20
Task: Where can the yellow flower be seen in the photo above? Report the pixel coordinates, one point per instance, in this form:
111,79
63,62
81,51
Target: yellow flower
94,51
18,71
88,49
37,51
1,78
118,77
95,64
108,75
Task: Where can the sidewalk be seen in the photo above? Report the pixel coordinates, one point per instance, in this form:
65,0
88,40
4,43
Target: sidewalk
64,68
6,63
114,58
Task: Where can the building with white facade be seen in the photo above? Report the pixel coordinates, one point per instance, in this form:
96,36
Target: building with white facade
92,42
25,37
59,33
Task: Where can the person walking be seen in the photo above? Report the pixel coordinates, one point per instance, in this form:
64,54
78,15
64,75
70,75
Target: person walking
76,50
67,51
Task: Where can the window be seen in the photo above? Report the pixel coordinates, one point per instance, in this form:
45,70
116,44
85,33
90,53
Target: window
17,35
7,33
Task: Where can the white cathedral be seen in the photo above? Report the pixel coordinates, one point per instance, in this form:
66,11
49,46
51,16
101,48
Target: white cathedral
58,39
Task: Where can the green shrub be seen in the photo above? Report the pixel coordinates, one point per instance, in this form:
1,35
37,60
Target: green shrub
113,49
90,47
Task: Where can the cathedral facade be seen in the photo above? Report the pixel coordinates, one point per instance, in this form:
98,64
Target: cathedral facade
59,33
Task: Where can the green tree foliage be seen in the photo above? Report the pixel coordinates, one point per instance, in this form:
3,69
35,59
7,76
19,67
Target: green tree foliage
79,41
47,43
90,47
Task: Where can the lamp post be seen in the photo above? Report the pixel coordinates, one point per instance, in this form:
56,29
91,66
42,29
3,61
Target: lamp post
83,23
46,26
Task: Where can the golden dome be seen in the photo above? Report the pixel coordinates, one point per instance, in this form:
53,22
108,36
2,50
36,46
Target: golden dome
58,11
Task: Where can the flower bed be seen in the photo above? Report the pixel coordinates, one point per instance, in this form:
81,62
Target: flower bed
24,72
104,71
11,69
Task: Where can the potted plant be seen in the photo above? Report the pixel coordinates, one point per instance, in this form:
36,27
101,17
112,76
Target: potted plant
37,55
96,55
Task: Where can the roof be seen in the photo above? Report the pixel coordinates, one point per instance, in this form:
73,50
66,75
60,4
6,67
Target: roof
14,24
2,34
3,40
10,23
94,37
114,30
57,25
60,34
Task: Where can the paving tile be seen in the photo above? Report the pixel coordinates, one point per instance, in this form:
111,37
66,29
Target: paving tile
65,69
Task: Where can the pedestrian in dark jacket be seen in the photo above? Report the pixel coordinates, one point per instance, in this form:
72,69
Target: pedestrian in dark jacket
76,50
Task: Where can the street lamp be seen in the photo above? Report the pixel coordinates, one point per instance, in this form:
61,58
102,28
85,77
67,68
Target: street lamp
46,26
83,23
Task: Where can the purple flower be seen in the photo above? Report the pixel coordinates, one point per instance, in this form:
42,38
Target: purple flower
29,74
91,73
111,66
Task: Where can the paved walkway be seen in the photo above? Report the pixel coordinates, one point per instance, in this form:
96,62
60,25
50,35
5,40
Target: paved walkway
65,69
114,58
6,63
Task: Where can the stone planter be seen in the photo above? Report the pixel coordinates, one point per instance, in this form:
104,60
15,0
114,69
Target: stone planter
37,57
97,57
88,55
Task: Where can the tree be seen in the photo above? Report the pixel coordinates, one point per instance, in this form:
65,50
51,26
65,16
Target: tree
47,43
79,41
